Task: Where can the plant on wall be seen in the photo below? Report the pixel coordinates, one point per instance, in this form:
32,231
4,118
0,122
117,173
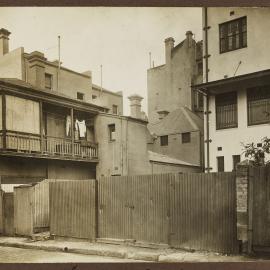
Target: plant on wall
257,153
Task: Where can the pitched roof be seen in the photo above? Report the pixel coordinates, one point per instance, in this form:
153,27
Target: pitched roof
178,121
157,157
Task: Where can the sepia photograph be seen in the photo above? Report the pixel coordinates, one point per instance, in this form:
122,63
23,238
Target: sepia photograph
134,134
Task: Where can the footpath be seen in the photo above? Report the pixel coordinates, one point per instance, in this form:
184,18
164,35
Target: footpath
122,250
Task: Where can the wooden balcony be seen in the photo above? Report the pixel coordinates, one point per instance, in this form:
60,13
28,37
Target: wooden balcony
25,144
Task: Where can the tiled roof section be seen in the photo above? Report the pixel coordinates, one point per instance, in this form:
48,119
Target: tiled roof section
178,121
157,157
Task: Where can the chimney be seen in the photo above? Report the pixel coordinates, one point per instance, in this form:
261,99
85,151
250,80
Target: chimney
4,46
189,38
135,106
36,74
162,114
169,45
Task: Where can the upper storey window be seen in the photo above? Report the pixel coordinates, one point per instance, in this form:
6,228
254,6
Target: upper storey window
233,35
48,81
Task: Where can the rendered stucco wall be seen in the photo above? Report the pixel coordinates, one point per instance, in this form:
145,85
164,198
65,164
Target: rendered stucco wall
159,168
168,85
107,99
68,170
254,57
231,139
69,82
18,168
188,152
127,154
11,64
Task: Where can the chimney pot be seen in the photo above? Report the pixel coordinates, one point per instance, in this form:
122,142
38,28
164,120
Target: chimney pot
169,45
189,36
135,106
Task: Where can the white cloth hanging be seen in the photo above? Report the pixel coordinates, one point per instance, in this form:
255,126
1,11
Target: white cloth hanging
68,125
82,128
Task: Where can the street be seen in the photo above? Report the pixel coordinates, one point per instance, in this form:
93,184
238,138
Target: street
19,255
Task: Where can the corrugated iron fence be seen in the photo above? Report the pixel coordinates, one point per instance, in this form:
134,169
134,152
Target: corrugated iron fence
261,207
194,211
31,208
73,208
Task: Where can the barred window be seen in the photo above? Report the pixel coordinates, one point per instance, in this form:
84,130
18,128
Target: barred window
226,110
233,35
258,103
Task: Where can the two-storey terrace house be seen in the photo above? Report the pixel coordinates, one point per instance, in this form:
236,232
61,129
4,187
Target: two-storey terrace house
50,127
236,83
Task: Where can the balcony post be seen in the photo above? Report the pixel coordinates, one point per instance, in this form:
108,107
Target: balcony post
72,130
4,122
41,126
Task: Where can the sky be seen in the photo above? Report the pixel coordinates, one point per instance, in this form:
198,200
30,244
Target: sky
118,38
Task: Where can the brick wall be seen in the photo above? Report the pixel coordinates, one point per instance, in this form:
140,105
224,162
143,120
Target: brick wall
242,176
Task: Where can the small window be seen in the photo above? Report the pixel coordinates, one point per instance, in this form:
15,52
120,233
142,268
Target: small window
258,103
233,35
220,164
94,96
226,110
236,160
164,140
114,109
111,132
80,96
48,81
186,137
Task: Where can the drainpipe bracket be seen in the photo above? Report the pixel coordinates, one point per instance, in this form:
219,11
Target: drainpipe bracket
207,56
207,112
206,28
208,141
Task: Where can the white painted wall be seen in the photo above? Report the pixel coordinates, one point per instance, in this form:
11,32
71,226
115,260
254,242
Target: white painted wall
254,58
230,139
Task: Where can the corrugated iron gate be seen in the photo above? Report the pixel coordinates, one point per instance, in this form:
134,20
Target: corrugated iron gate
261,207
194,211
203,212
41,220
72,208
134,207
23,210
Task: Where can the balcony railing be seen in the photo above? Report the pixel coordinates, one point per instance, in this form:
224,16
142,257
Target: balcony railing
47,146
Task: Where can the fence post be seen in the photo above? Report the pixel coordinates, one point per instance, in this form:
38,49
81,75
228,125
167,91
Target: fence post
250,208
242,178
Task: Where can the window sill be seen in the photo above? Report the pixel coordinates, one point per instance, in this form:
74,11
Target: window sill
226,128
233,50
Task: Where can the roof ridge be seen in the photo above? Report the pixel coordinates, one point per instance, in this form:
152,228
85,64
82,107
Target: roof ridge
191,121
